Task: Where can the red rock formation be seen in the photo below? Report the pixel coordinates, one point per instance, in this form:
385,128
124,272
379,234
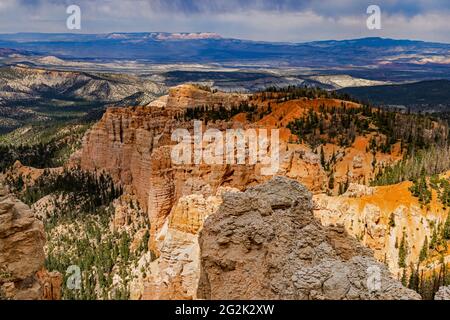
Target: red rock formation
51,283
22,241
133,145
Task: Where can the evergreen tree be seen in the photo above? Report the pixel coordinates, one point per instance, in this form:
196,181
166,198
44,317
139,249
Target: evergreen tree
404,279
446,232
331,181
424,251
434,239
322,157
392,220
402,252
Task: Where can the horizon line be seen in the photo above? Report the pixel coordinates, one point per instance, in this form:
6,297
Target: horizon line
219,36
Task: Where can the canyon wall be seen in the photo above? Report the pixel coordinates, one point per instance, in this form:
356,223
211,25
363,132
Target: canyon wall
380,217
176,272
22,240
134,146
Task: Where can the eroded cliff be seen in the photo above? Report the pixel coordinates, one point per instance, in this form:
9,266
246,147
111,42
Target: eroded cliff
22,240
134,146
382,217
265,243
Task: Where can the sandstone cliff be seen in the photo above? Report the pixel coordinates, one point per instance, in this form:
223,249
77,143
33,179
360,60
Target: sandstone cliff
265,243
176,272
134,146
380,217
188,96
22,240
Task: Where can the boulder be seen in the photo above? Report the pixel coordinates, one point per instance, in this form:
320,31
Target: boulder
265,243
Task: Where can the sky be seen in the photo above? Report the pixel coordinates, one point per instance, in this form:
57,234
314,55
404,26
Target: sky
262,20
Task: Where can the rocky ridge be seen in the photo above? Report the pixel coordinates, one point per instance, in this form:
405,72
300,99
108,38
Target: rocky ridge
265,243
22,239
19,83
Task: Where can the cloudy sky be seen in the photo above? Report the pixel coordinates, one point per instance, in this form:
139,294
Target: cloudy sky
282,20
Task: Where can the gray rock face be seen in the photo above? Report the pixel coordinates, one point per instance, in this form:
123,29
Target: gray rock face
443,293
266,244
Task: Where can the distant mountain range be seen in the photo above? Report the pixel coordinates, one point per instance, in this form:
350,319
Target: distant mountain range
33,95
133,68
368,58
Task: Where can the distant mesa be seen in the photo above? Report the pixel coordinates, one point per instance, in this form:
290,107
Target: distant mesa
164,36
188,36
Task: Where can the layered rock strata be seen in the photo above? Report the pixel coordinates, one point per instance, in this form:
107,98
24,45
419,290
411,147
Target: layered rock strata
381,217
